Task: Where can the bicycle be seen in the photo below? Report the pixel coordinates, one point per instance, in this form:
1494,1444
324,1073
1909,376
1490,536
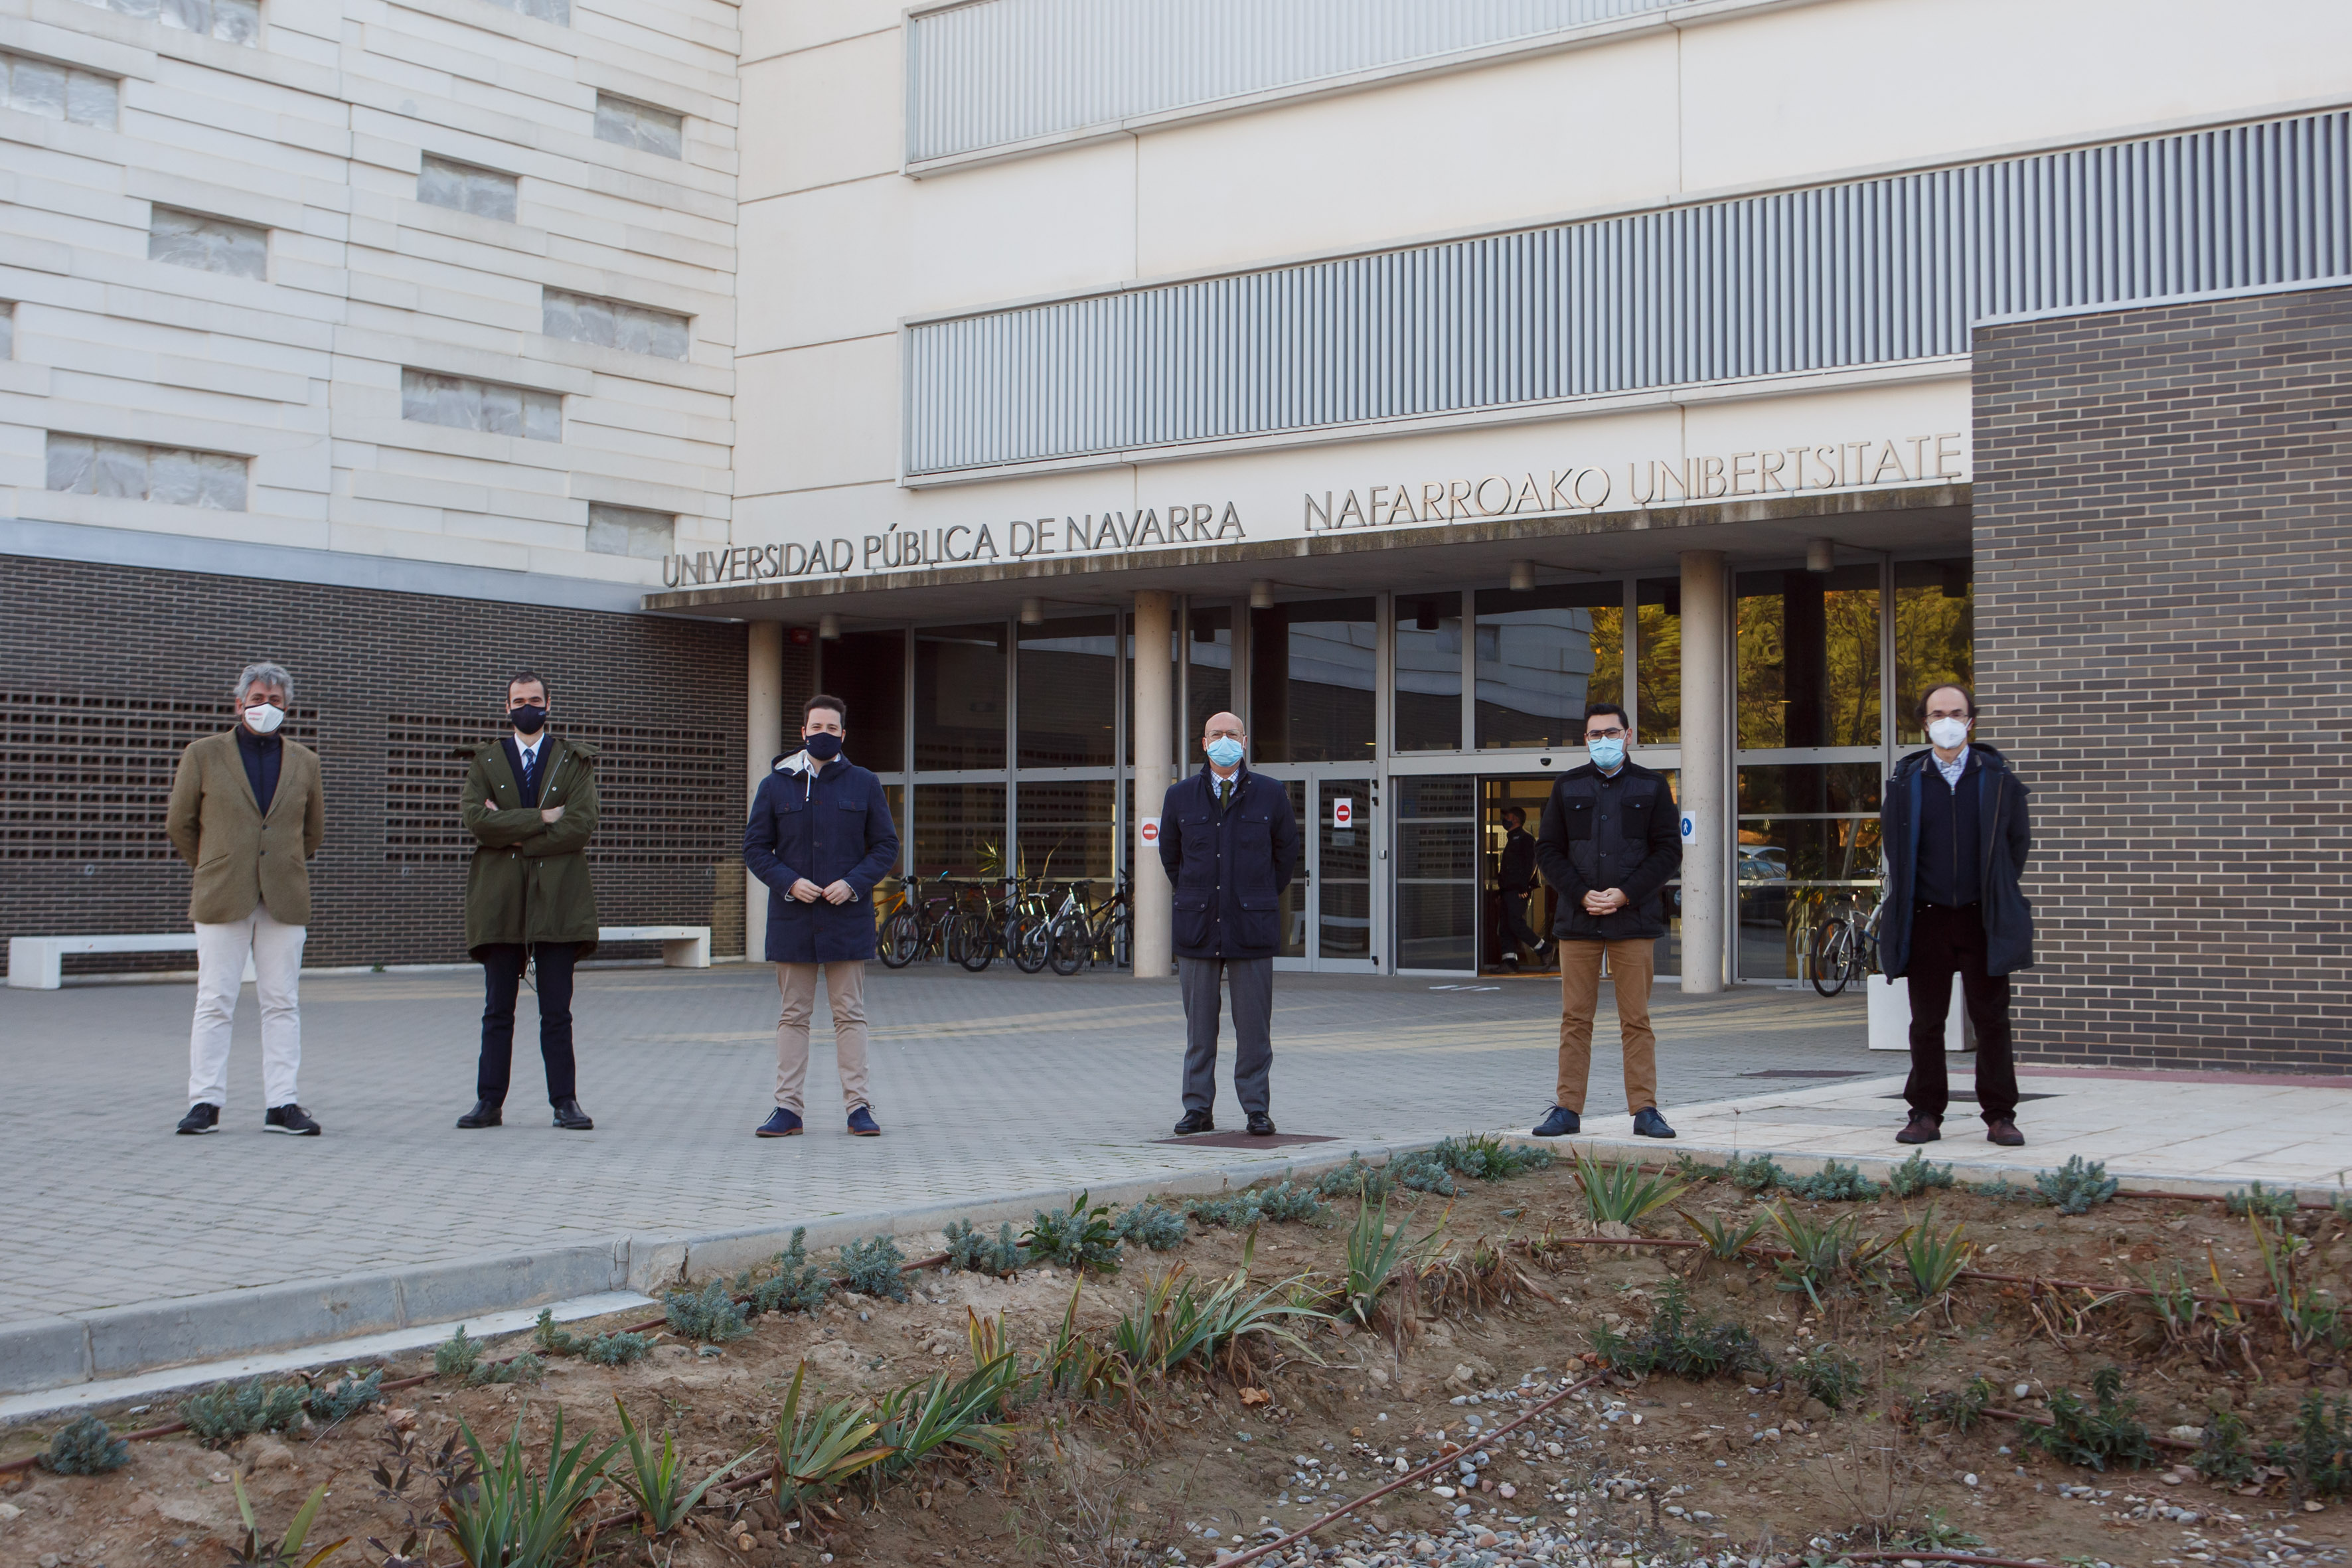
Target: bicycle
1844,949
1079,935
917,927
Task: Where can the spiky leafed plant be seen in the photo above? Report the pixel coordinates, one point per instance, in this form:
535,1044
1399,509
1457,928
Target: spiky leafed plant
1373,1253
1723,1240
514,1517
944,1412
1824,1256
1620,1192
252,1551
818,1450
1934,1259
655,1481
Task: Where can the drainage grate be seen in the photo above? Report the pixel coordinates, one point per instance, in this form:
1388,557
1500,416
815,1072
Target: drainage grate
1800,1072
1969,1096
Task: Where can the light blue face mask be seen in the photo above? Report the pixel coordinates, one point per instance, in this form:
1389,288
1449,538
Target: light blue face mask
1224,750
1607,753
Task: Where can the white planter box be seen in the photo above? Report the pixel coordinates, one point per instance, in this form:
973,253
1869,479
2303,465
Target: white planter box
1890,1017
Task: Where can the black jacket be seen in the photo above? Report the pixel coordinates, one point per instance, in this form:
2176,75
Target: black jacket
1517,867
2004,837
1648,852
833,826
1229,870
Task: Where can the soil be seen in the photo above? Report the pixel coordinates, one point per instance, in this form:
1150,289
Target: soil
1626,1473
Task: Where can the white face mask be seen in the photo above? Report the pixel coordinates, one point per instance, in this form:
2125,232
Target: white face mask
1949,733
264,717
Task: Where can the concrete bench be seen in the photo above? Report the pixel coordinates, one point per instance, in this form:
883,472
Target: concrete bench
683,947
34,961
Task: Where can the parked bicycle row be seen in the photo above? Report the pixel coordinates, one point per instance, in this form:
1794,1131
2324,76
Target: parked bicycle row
974,923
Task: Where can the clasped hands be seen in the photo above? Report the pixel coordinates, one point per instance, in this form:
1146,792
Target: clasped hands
808,892
1605,902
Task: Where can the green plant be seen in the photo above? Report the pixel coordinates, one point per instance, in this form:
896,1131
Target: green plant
1830,1375
524,1368
1286,1202
1083,1238
1823,1257
1937,1533
874,1266
656,1481
2271,1202
617,1348
1724,1242
1915,1175
345,1397
1836,1184
2095,1435
796,1285
2174,1301
1621,1192
1356,1180
817,1450
86,1446
1071,1365
2223,1455
2002,1190
710,1314
2318,1457
941,1412
973,1252
1373,1253
1934,1260
1673,1342
1424,1172
1488,1158
220,1416
286,1550
1756,1174
512,1517
2074,1187
1179,1322
1147,1223
457,1355
1961,1408
450,1472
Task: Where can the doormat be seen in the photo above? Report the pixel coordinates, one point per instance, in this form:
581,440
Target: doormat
1246,1140
1969,1096
1799,1072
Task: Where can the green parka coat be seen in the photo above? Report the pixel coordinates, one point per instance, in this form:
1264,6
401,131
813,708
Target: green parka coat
528,882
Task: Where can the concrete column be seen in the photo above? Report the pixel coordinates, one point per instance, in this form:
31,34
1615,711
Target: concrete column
763,737
1155,721
1706,770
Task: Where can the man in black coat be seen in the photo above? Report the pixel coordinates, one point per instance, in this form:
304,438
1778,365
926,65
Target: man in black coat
1611,841
1231,846
1953,821
1516,872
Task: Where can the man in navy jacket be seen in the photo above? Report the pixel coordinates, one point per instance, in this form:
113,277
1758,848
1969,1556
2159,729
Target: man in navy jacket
1231,846
820,837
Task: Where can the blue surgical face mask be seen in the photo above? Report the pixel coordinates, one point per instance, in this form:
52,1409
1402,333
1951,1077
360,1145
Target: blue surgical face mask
1224,750
1607,753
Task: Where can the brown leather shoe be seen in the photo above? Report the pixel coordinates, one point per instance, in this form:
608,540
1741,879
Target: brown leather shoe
1923,1129
2000,1129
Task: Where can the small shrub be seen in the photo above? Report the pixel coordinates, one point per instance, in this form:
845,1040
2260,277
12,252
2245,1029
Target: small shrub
1238,1212
84,1447
1723,1240
2271,1202
522,1515
1356,1180
219,1417
2002,1190
2319,1456
525,1368
2095,1435
346,1397
796,1285
457,1355
1621,1192
1830,1375
617,1350
1756,1174
1836,1184
710,1314
2074,1187
1082,1239
2224,1457
1147,1224
1934,1259
969,1250
1961,1408
1488,1158
1424,1173
874,1266
1915,1175
1673,1342
1285,1202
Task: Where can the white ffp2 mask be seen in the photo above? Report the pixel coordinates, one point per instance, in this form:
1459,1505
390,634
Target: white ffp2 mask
262,718
1949,732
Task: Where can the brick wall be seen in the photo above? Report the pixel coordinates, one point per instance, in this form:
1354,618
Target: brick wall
2164,606
106,672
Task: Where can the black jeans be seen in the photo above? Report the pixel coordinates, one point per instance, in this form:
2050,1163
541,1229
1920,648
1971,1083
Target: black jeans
1516,929
502,965
1944,942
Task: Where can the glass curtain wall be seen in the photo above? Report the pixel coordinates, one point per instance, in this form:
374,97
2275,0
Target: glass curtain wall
1426,698
1543,654
1437,884
1935,638
1067,680
1208,678
1313,666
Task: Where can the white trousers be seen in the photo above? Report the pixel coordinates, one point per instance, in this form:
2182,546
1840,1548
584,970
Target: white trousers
275,949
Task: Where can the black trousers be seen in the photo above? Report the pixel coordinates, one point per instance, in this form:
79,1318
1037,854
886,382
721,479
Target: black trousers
1944,942
502,967
1515,922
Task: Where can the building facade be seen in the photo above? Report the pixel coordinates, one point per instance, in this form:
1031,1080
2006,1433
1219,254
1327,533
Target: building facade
1049,374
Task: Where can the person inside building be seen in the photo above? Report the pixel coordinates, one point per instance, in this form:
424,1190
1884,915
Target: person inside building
248,812
1516,874
529,802
820,837
1611,841
1231,844
1955,833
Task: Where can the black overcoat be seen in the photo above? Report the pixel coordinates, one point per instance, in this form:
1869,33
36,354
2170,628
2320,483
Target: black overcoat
1229,870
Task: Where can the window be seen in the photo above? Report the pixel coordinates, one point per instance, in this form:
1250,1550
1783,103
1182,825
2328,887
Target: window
556,11
1543,654
959,698
1658,638
464,403
461,187
1311,668
640,125
1208,678
1935,637
55,92
233,21
84,465
609,323
7,329
1436,871
626,531
1809,659
207,244
869,671
959,831
1069,699
1428,697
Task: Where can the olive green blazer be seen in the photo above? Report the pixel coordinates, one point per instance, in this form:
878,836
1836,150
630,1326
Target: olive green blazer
528,882
243,859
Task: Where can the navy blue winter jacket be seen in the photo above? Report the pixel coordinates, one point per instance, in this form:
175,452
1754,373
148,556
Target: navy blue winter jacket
832,825
2004,838
1229,872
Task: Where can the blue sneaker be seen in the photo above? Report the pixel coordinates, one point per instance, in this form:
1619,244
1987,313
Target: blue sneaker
1648,1123
780,1124
1559,1125
863,1125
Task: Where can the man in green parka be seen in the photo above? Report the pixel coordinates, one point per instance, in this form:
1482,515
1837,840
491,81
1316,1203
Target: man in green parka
530,805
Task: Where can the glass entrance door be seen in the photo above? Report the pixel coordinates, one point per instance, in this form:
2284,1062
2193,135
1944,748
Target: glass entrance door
1327,915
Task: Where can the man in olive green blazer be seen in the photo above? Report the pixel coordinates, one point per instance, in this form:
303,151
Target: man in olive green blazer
246,811
531,803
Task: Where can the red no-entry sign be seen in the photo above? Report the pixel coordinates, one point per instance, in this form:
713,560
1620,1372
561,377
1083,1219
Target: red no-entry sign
1343,812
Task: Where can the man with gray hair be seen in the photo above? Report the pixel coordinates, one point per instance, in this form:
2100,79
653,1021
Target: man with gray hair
247,814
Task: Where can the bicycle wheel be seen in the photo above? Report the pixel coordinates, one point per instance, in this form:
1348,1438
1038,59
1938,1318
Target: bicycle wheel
1028,944
902,939
972,942
1833,956
1069,941
1122,930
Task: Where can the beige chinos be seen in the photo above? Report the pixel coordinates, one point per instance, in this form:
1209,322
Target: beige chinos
845,993
1633,965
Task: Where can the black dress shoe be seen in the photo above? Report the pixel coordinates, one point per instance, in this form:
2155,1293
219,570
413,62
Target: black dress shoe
1261,1125
484,1114
571,1118
1196,1122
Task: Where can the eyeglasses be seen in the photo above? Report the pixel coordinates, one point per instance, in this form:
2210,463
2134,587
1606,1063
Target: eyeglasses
1960,713
1604,734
